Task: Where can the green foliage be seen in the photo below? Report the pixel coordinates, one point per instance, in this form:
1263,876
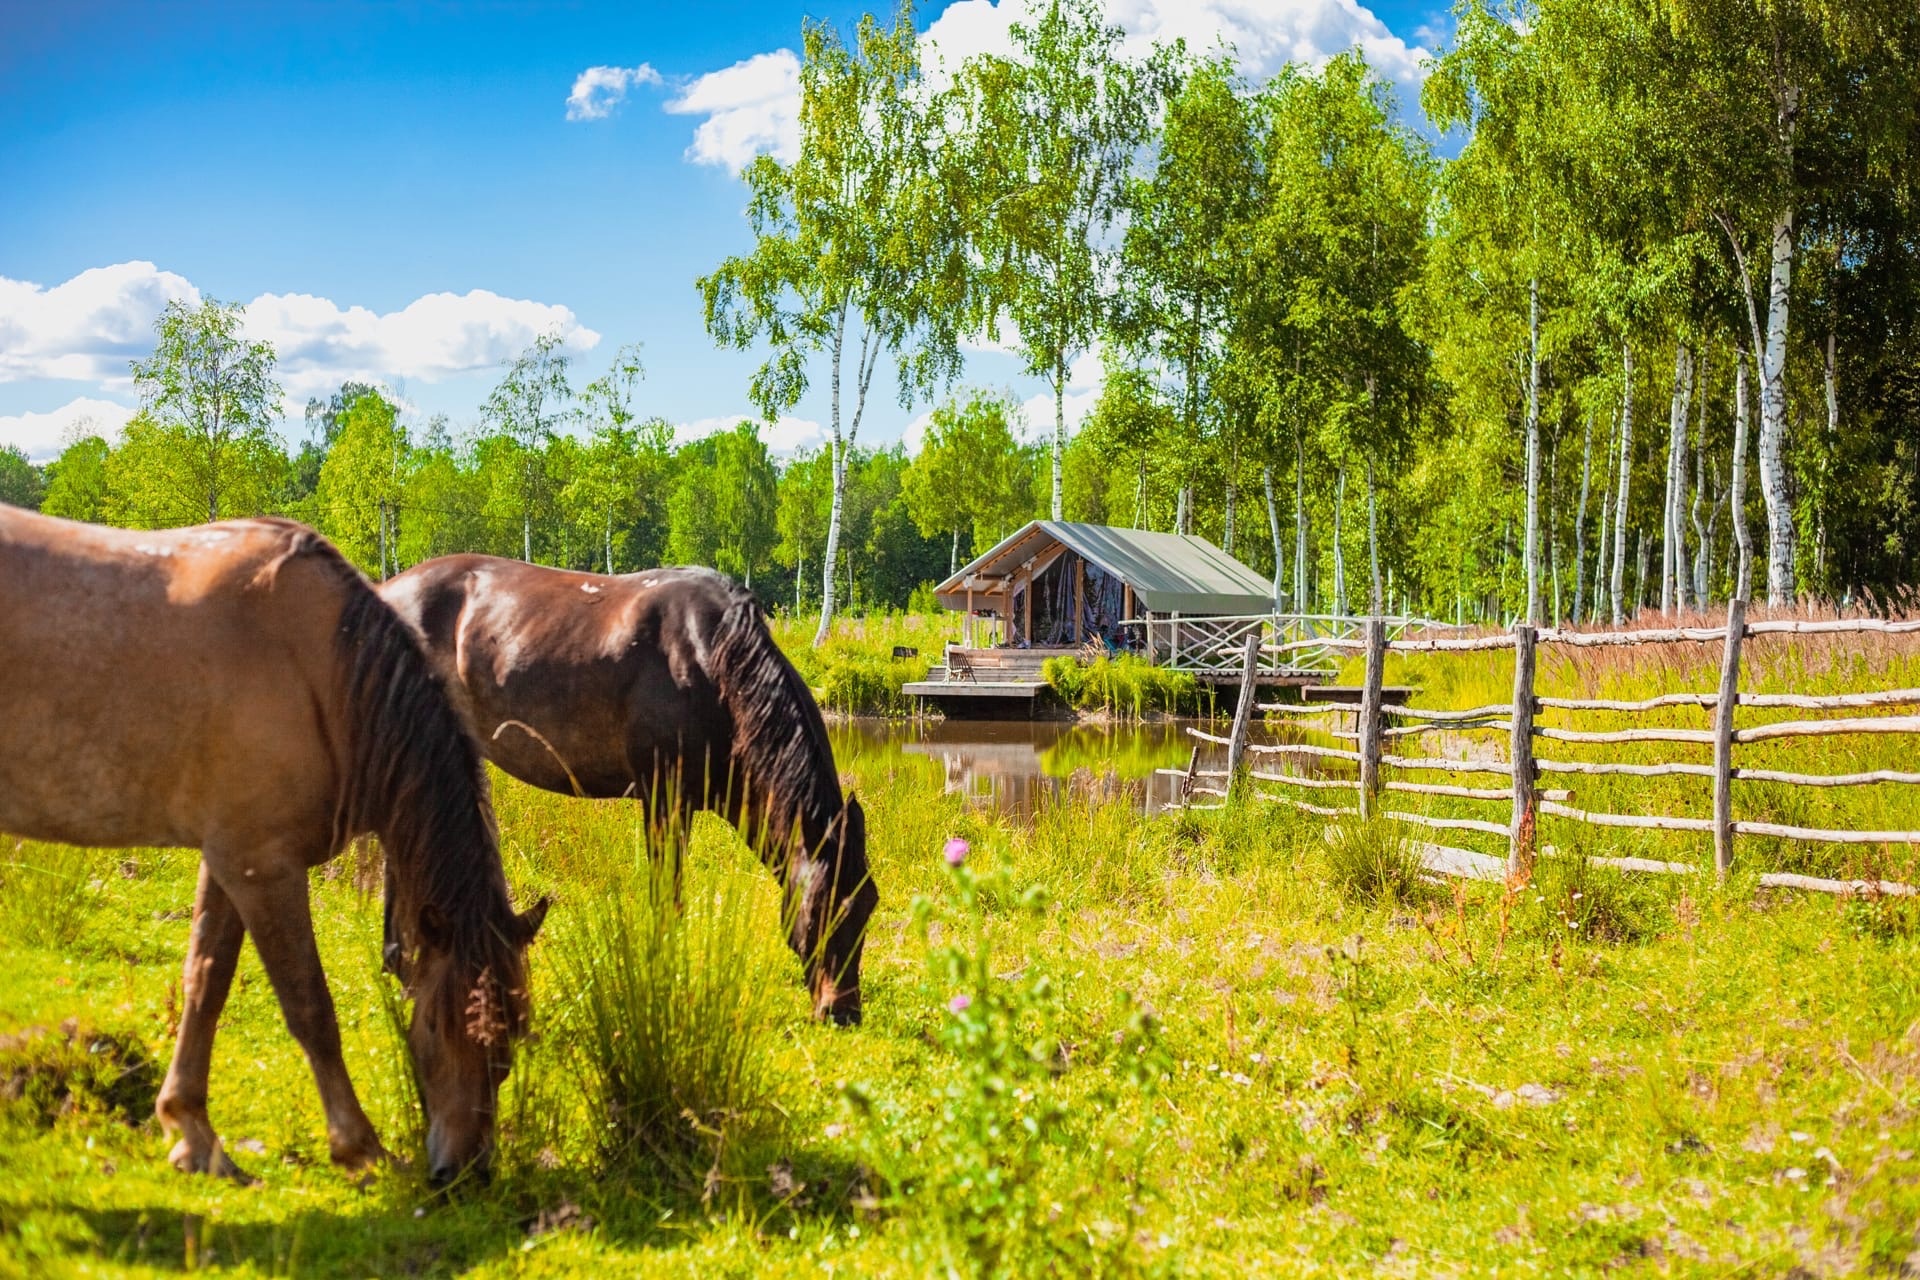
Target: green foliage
203,448
981,1188
1372,862
21,484
1125,685
671,1012
363,481
969,472
77,481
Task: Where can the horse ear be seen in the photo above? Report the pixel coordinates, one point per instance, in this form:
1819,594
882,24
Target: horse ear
533,917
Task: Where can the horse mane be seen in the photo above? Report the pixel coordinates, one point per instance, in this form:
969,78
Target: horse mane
780,742
415,777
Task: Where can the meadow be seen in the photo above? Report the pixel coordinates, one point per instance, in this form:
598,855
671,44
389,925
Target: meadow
1224,1043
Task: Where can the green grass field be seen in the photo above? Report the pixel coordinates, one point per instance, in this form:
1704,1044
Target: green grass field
1213,1043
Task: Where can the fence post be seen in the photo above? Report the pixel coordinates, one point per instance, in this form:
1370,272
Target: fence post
1370,717
1186,783
1243,712
1520,839
1723,739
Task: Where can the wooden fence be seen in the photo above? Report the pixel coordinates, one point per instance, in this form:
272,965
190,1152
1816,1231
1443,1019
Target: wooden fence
1522,795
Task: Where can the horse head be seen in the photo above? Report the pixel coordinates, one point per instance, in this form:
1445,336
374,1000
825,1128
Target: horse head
831,925
469,1007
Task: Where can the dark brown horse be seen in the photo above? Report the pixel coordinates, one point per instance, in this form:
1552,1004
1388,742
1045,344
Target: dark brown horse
240,688
663,685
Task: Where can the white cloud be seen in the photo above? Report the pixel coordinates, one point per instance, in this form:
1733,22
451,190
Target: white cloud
435,337
88,329
598,90
41,436
751,108
784,437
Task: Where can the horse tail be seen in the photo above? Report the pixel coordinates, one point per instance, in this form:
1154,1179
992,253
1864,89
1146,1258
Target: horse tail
413,775
780,746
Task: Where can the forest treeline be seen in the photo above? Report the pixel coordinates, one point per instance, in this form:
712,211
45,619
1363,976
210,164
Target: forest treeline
1647,338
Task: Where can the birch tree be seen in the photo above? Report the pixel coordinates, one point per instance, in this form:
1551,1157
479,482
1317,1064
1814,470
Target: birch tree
210,396
1056,127
855,251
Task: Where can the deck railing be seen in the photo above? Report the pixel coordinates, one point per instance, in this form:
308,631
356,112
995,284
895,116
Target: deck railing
1288,643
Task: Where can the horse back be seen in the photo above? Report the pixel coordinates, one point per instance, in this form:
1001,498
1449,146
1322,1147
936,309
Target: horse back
577,681
160,685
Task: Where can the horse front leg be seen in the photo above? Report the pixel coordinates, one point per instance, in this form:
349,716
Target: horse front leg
273,903
212,952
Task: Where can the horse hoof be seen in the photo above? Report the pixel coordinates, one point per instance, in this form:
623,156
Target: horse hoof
215,1161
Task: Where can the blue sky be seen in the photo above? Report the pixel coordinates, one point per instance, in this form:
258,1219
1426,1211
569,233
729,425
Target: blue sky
405,192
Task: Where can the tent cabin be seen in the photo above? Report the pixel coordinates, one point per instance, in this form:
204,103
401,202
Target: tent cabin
1057,585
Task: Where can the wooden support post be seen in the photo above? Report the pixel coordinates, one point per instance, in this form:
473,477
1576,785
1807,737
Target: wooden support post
1026,610
1520,833
1370,717
1173,659
1723,739
1186,783
1243,713
1079,596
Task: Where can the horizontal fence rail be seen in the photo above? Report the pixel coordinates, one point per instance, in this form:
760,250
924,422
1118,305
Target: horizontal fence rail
1516,722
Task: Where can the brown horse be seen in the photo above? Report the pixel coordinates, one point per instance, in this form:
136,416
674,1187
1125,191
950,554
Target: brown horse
239,687
665,685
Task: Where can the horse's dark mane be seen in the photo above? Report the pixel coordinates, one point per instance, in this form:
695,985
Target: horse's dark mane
415,776
779,740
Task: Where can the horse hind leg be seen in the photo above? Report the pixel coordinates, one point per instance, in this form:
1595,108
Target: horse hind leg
272,900
212,953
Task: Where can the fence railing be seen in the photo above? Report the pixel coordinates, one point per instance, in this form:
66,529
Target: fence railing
1522,795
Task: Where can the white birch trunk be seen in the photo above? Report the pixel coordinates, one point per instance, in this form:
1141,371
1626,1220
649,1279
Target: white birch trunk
1059,434
1339,555
1531,545
1626,480
864,361
1299,526
1373,538
1773,419
1702,532
1672,544
1580,524
1279,559
1737,492
1600,596
1226,543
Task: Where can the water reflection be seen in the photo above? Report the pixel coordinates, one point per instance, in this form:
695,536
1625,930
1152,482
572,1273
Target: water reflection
1012,766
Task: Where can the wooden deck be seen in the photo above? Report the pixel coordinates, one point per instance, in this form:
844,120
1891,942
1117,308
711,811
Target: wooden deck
990,684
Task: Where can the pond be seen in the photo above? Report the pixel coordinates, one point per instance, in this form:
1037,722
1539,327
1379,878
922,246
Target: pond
1013,766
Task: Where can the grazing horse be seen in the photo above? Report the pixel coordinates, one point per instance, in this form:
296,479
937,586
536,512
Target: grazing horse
241,688
665,685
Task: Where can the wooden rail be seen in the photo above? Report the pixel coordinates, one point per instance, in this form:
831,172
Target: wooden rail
1528,801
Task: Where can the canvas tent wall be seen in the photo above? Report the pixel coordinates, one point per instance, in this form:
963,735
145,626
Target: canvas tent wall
1055,582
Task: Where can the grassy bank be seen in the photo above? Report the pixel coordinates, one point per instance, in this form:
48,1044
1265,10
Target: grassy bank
855,672
1198,1045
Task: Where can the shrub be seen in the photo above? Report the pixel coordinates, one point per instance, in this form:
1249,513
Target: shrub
672,1013
1372,862
1125,685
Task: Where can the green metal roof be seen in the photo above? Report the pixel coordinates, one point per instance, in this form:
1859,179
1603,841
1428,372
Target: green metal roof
1168,572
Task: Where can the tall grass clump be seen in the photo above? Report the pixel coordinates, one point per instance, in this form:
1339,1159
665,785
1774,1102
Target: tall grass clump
1126,685
673,1013
48,892
1372,862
